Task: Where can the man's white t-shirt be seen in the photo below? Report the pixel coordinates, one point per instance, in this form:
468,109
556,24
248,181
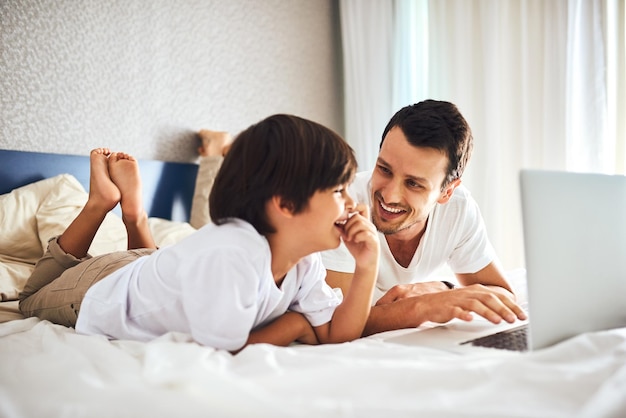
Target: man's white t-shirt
215,285
455,234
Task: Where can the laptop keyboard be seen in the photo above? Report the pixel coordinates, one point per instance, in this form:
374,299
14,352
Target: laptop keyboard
512,339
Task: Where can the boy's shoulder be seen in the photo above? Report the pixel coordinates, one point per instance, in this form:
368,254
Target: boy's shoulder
232,232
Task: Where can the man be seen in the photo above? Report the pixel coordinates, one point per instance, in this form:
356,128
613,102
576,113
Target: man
426,219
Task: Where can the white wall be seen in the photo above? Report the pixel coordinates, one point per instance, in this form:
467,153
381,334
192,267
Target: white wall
142,76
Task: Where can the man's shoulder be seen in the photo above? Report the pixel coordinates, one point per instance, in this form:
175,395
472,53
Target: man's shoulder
462,191
460,206
461,196
461,209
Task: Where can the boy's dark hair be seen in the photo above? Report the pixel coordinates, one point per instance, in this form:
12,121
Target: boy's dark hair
282,155
439,125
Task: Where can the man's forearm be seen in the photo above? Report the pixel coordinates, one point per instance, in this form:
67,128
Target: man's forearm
440,307
391,316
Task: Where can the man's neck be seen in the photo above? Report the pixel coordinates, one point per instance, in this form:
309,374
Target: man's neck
403,244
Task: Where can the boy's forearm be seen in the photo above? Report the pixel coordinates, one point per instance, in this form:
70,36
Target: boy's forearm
351,316
283,331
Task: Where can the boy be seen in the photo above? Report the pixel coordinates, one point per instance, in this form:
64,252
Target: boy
251,276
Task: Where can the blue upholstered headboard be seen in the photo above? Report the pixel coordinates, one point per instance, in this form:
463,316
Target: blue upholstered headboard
167,186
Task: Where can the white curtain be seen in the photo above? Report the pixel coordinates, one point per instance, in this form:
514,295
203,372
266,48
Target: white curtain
367,31
541,83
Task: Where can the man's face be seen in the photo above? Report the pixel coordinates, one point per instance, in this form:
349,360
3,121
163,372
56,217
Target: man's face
406,185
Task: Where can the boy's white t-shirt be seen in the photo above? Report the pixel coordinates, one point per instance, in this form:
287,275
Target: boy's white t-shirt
455,234
215,285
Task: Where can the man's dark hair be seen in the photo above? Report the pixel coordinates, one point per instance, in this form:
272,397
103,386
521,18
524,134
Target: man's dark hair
439,125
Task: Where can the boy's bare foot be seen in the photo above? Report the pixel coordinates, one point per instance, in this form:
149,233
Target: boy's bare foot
124,172
103,193
214,143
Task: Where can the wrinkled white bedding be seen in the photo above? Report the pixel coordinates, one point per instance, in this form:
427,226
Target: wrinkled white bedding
49,371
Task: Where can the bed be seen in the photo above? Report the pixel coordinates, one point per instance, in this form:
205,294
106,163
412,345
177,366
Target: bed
47,370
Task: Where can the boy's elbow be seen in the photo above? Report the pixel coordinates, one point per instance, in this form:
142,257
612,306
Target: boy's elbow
335,336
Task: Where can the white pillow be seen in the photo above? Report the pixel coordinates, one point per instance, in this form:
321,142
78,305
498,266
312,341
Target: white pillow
20,247
65,202
17,220
34,213
167,232
13,276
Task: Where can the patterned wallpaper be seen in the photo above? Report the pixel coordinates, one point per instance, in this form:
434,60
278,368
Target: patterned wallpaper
143,76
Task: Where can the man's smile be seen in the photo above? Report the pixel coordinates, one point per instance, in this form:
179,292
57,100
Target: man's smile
390,209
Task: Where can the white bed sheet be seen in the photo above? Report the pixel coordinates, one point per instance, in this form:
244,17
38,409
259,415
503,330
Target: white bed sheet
50,371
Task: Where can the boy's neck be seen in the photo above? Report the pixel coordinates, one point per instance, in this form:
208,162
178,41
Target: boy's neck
284,257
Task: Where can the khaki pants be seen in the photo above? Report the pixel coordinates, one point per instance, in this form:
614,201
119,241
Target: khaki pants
59,282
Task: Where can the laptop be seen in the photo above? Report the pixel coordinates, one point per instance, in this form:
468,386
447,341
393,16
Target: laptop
574,228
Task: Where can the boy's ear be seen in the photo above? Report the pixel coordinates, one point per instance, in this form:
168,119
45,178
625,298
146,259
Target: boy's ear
446,194
283,206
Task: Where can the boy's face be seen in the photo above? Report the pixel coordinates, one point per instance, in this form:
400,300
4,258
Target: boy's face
406,185
324,216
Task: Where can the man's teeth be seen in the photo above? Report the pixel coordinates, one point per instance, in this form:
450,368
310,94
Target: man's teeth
390,209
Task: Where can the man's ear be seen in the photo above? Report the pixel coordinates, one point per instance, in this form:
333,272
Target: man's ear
282,206
446,194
